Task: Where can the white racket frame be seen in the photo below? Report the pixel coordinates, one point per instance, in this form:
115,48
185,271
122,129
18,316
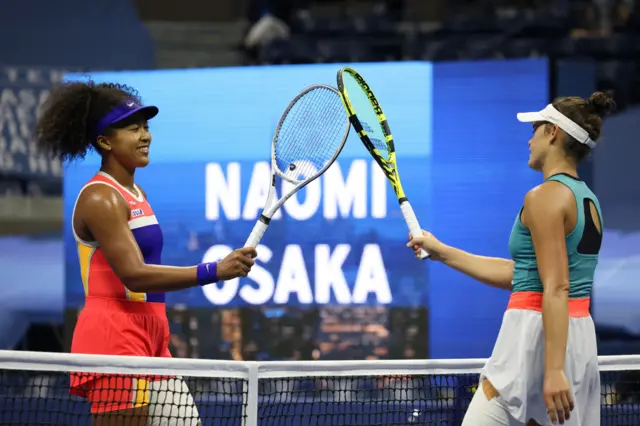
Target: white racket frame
269,210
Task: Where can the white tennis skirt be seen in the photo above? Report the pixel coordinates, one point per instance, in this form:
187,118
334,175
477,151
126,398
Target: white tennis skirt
516,366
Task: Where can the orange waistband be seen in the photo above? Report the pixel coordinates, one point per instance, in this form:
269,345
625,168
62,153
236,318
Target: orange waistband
532,301
125,306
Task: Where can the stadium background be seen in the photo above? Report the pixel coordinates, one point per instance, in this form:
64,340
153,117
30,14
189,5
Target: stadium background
461,153
205,205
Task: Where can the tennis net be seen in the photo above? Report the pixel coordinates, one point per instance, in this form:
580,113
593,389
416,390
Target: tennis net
34,390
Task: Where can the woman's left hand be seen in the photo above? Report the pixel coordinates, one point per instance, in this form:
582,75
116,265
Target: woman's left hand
557,396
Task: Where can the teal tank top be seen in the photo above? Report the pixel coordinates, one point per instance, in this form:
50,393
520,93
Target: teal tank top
583,245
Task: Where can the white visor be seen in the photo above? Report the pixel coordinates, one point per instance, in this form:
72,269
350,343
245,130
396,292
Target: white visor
554,116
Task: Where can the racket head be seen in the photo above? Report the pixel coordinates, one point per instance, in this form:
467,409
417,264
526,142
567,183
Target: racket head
369,121
310,135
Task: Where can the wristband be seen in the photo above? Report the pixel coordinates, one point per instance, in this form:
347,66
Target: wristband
207,273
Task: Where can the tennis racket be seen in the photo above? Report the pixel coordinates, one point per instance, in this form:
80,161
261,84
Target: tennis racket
309,137
368,119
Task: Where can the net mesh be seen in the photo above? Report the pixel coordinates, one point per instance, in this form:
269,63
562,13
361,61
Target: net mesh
311,134
43,398
35,390
367,400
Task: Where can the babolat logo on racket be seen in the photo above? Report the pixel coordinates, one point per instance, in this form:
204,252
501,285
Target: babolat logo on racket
370,95
378,144
366,127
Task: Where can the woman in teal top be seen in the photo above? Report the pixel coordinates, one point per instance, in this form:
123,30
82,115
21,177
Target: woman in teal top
544,366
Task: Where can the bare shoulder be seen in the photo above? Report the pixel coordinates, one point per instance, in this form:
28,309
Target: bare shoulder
101,200
548,201
549,196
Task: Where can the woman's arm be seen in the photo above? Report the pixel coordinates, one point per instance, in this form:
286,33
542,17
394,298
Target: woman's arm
544,214
105,214
493,271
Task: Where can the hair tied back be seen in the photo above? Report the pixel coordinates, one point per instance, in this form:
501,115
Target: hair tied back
601,103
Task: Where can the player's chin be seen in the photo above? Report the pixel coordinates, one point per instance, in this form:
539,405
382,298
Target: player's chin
534,164
142,161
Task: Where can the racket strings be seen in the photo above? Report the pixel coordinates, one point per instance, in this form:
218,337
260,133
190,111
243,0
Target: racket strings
311,134
366,115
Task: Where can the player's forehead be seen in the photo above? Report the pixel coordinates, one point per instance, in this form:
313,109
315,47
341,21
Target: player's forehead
537,124
134,119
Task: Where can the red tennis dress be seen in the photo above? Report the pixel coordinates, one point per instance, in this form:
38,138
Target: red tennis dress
116,321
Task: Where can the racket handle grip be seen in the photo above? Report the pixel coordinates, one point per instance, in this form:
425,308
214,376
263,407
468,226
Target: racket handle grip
257,233
414,226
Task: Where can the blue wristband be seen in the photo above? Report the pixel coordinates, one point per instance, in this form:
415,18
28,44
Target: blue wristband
207,273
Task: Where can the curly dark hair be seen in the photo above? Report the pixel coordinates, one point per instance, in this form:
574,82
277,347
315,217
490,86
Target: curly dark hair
588,114
70,114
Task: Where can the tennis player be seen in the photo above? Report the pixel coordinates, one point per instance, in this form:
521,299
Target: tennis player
119,243
544,365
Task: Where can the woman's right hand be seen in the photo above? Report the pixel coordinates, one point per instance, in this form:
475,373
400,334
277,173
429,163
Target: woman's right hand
238,263
427,241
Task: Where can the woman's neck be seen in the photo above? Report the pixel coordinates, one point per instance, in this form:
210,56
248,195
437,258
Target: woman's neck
558,167
123,176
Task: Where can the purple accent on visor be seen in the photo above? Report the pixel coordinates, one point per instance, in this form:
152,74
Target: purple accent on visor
122,111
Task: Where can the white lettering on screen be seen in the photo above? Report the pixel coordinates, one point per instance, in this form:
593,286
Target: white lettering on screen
349,190
293,283
358,192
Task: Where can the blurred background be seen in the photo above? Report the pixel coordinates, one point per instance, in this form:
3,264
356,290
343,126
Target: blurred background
452,74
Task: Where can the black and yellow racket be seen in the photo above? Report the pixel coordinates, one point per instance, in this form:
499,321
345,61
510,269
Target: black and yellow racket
368,120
